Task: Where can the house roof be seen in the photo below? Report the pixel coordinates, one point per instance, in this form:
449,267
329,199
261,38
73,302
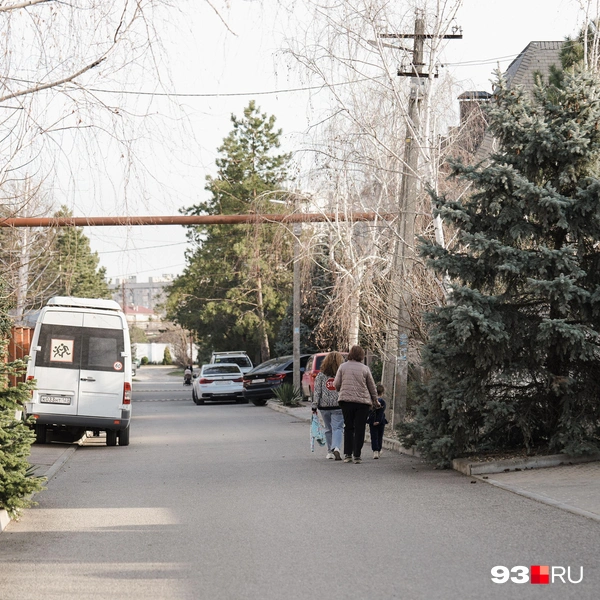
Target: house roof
535,59
138,310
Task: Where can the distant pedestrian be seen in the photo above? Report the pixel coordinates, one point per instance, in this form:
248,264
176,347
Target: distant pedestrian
358,395
187,375
325,398
377,422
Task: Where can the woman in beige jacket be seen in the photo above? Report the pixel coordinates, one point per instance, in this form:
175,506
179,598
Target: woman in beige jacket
357,395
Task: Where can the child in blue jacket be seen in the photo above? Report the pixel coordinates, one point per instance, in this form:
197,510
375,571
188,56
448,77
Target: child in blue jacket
377,422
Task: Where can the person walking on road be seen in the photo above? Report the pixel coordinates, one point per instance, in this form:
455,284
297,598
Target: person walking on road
325,398
377,421
357,395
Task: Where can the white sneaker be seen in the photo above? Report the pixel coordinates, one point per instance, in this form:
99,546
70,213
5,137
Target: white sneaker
375,454
336,453
330,455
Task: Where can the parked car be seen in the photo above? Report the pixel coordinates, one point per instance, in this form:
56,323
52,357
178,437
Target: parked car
135,365
261,382
240,358
222,381
313,366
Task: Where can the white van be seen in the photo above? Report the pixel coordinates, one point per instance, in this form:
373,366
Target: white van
240,358
81,360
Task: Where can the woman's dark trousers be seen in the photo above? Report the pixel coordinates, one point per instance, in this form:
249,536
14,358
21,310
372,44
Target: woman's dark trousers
355,424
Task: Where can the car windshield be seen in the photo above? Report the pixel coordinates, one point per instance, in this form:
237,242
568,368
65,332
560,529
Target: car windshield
241,361
222,370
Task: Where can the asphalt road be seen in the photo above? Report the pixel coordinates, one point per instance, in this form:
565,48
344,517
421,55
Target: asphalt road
227,502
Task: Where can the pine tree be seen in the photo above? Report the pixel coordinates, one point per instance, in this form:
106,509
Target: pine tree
16,437
513,358
76,266
234,290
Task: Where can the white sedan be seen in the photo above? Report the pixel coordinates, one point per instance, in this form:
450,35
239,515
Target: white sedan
223,381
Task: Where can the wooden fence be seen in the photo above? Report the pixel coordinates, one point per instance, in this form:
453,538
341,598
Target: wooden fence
19,346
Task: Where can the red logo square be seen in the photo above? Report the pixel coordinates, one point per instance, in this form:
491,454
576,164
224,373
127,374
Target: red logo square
540,574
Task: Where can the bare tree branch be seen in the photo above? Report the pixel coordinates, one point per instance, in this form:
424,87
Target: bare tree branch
23,5
45,86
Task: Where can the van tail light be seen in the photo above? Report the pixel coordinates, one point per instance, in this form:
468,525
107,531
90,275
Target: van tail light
314,375
277,377
127,393
203,380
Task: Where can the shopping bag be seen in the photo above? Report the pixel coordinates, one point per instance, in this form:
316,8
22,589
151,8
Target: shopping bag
317,433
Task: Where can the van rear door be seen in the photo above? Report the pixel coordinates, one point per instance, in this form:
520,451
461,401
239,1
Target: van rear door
58,361
102,374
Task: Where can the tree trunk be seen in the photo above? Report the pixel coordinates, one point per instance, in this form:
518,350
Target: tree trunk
265,352
354,321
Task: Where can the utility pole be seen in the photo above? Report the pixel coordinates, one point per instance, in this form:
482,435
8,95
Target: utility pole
23,278
296,307
395,369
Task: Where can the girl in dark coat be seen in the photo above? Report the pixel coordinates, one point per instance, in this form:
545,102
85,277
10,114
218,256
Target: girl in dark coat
377,422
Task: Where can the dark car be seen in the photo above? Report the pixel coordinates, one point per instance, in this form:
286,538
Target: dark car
260,383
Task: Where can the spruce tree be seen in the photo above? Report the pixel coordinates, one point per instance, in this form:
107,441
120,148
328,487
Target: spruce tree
513,358
16,437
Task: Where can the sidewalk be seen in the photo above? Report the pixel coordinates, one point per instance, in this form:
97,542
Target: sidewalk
571,487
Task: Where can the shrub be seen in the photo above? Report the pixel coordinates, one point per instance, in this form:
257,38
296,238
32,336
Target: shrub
167,359
288,395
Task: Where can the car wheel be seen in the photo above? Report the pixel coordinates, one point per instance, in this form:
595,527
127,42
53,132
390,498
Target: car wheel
194,397
111,437
199,400
259,402
124,437
40,434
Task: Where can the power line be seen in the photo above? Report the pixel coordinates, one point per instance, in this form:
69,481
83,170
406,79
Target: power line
178,266
229,94
142,248
484,61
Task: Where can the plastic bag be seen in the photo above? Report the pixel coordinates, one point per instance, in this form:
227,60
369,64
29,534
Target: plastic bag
317,433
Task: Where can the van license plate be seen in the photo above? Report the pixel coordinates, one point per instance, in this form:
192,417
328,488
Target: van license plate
55,399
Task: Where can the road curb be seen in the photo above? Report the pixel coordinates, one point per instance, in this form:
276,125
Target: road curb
540,498
468,467
63,458
48,475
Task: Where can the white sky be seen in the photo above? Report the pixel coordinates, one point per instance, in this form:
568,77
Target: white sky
206,59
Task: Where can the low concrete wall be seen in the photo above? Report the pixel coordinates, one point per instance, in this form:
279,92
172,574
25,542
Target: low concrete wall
468,467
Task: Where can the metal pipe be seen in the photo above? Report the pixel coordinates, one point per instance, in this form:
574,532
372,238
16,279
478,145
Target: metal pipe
191,219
